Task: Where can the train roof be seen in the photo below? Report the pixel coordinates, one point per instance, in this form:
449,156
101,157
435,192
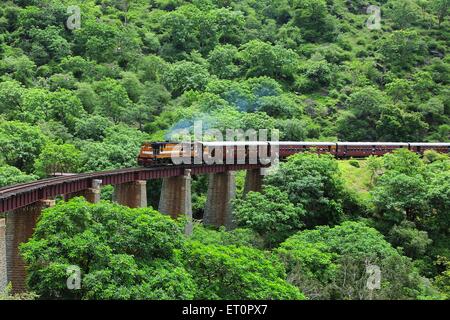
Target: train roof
233,143
309,143
429,144
262,143
405,144
303,143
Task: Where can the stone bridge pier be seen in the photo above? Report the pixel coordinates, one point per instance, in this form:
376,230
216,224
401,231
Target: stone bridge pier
91,195
132,194
3,269
176,198
221,192
253,181
17,227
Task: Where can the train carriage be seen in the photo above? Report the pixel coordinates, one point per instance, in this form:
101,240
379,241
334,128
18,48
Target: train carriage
365,149
288,148
420,147
239,152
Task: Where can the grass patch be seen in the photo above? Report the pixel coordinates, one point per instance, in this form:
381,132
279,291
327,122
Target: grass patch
356,179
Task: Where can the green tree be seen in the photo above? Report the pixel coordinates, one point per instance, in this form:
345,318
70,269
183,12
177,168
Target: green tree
78,66
415,190
20,68
185,75
330,263
122,253
270,214
133,86
55,131
313,19
292,130
403,13
283,106
128,46
440,8
88,97
62,81
313,182
315,74
179,29
398,124
398,196
151,103
226,237
402,49
11,175
114,102
364,110
97,40
262,59
118,149
399,90
35,106
403,161
433,111
65,107
11,93
442,281
223,62
150,68
47,44
375,166
93,127
413,241
423,85
237,273
40,14
20,144
439,199
55,158
257,121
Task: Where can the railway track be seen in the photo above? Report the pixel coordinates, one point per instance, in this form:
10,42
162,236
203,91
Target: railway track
9,190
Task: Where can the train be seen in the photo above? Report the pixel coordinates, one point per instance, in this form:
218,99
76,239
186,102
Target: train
157,153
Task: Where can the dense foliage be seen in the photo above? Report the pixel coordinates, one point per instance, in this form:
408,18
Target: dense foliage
331,263
401,225
310,68
279,250
84,99
127,253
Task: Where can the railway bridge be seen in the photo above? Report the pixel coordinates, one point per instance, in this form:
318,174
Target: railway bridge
21,205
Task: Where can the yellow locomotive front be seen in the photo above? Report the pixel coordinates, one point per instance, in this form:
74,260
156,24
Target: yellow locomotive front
153,153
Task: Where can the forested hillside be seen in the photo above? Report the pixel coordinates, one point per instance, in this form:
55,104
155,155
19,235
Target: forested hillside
135,69
84,99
